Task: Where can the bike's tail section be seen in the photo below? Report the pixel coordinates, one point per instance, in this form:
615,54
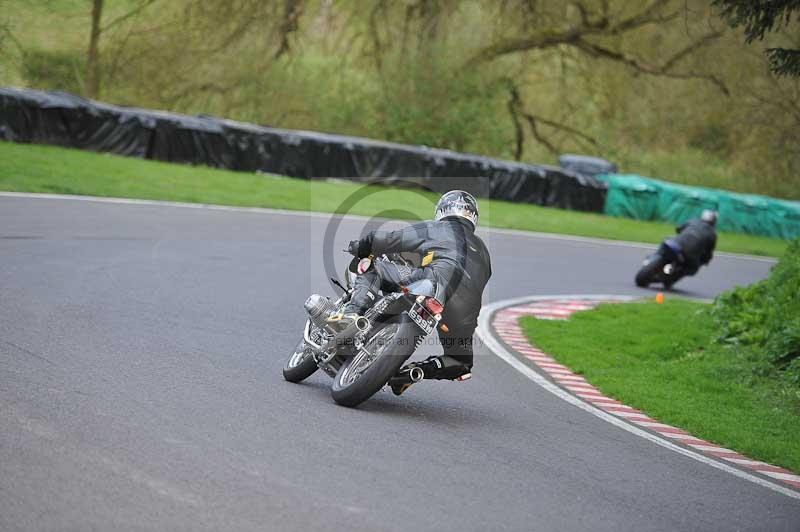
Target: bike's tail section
364,353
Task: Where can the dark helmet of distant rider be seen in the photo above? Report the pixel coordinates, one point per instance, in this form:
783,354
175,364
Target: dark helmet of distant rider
457,204
709,217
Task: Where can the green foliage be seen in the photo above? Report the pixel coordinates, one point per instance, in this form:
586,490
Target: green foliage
766,317
711,138
403,71
784,62
662,359
55,69
425,102
760,18
33,168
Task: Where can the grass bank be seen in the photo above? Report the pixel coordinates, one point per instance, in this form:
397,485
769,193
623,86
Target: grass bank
663,360
36,168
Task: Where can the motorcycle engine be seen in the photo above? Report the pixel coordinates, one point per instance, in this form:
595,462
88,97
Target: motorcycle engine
319,308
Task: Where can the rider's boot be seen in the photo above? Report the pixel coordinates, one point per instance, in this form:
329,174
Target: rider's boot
399,388
445,367
436,367
361,299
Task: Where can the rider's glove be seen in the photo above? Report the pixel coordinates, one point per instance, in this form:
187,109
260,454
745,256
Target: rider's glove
360,248
352,248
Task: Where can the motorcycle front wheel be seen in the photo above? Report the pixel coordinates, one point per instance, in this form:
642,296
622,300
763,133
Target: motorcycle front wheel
300,365
379,360
650,271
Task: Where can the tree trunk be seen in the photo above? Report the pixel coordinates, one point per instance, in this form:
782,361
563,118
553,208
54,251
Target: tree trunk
92,83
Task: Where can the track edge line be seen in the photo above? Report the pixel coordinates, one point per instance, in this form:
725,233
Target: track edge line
316,214
484,331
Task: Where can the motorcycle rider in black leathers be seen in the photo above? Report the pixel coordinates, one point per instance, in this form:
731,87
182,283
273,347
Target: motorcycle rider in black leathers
453,257
695,242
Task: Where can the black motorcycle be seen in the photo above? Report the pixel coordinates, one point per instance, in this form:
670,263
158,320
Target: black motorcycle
370,353
665,266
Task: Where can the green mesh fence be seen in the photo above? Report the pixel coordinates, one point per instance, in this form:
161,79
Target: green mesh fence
642,198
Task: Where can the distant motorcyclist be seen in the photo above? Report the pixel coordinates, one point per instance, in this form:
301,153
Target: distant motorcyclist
684,254
452,256
695,241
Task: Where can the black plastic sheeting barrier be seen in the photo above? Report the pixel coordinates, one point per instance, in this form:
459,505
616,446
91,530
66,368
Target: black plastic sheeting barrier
67,120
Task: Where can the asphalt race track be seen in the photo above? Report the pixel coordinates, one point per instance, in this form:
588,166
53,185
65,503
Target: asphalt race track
141,349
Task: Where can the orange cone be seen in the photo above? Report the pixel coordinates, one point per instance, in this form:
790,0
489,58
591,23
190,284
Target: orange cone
660,298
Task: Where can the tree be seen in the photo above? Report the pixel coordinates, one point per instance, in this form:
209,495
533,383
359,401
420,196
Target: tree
515,44
592,31
92,83
760,17
190,55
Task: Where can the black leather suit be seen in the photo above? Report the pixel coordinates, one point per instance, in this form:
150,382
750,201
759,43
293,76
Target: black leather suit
452,256
696,240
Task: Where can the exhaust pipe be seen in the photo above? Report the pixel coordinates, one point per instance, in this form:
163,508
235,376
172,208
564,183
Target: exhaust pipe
362,324
406,378
346,336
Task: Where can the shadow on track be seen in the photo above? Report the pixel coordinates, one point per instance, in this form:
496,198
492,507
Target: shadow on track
675,291
422,406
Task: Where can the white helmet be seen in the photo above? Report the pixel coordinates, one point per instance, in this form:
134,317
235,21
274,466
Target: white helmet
709,217
457,203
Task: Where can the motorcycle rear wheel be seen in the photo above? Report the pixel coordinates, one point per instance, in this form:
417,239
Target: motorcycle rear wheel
370,369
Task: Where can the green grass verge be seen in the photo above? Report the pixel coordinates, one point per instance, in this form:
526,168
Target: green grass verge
662,359
36,168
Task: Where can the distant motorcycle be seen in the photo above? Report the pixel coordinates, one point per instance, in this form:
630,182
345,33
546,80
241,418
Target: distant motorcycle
370,353
665,266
